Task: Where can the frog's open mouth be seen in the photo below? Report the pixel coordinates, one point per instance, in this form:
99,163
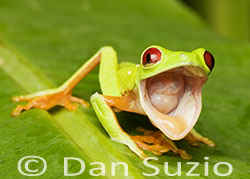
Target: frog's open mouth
172,99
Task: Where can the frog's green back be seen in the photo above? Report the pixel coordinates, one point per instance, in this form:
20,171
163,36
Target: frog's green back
127,75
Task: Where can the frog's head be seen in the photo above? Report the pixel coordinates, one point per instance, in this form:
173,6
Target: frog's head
170,86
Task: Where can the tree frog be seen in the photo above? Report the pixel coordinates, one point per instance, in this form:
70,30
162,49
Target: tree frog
166,87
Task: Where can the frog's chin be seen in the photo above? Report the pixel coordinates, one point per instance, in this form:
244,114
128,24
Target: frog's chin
172,100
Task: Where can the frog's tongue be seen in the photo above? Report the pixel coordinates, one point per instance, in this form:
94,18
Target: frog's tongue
178,120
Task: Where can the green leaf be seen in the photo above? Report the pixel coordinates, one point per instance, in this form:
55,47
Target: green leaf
44,42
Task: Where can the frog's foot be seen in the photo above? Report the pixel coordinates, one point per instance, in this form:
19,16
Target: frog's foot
157,143
194,138
46,100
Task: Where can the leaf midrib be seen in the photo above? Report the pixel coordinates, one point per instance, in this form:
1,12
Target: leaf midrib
13,61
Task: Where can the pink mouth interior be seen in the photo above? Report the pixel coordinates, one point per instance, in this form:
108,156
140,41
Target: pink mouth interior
172,100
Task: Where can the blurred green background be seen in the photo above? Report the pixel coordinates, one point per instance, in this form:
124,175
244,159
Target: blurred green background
43,42
230,18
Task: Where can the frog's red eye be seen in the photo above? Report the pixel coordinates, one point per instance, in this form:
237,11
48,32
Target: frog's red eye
151,56
209,59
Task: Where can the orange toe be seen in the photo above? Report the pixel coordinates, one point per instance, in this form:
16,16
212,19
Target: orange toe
47,101
157,143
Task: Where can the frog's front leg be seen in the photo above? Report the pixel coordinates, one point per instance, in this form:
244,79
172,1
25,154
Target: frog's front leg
104,112
194,138
155,142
